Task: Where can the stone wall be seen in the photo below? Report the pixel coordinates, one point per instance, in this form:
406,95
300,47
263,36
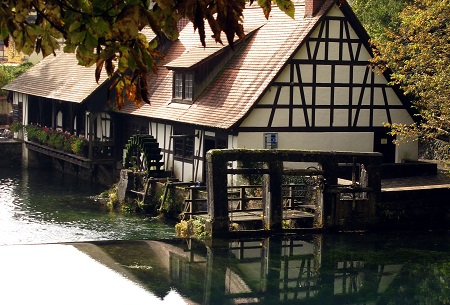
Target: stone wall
414,209
10,153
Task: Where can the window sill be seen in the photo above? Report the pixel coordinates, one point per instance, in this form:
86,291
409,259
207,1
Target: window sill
182,101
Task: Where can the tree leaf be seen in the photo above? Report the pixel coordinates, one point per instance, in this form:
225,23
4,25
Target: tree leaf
266,5
287,7
98,69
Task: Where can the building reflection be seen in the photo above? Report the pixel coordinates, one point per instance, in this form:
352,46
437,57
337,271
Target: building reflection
288,270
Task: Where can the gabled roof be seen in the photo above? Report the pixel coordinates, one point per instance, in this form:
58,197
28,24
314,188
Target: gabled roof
195,56
57,77
242,81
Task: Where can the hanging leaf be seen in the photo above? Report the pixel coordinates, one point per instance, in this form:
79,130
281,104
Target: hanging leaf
98,69
287,7
266,5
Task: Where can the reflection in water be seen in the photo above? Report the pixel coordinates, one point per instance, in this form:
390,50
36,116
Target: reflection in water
312,269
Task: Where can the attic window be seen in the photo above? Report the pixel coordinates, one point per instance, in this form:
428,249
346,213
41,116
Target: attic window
183,87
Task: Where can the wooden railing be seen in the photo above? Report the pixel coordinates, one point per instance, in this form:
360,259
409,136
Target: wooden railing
239,198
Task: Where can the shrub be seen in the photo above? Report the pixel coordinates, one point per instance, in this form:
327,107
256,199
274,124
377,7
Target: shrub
16,126
78,144
32,132
56,139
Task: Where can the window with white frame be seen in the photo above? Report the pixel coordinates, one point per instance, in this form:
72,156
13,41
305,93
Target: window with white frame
189,86
178,86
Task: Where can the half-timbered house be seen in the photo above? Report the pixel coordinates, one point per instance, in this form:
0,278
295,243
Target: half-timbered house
301,83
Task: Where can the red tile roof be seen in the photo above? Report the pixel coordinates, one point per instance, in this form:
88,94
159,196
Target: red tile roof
240,84
223,103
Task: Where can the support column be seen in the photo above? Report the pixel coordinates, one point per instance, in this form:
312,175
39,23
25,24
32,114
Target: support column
91,135
215,276
273,197
330,199
374,177
272,255
216,181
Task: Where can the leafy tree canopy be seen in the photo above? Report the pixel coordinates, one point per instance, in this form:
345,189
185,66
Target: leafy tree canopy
379,15
10,72
107,32
418,53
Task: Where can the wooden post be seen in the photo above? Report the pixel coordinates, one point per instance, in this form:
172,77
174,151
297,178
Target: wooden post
243,196
291,196
374,177
216,275
217,192
273,197
91,135
271,266
329,199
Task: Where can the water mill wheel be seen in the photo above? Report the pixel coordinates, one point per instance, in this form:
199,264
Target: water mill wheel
142,154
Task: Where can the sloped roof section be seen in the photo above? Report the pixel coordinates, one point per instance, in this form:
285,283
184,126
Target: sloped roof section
199,54
241,83
58,77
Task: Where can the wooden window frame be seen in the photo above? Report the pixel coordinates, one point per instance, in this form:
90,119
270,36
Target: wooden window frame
183,87
183,144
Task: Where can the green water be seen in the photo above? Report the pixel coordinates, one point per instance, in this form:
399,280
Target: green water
41,206
61,247
311,269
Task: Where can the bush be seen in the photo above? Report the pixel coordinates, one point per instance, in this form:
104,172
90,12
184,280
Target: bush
190,228
16,126
56,139
78,144
32,132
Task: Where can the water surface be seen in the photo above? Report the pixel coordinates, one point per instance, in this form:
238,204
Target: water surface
43,206
311,269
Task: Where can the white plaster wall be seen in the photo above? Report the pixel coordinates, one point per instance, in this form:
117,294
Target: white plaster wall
337,141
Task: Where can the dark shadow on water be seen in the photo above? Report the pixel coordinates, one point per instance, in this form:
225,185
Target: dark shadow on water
310,269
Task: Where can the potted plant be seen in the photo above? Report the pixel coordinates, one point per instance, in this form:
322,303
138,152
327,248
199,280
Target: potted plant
16,127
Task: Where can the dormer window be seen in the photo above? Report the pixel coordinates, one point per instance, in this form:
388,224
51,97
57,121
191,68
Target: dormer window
183,87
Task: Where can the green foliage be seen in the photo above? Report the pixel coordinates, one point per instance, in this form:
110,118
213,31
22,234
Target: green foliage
418,54
378,15
191,228
10,72
16,126
107,33
56,139
78,144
